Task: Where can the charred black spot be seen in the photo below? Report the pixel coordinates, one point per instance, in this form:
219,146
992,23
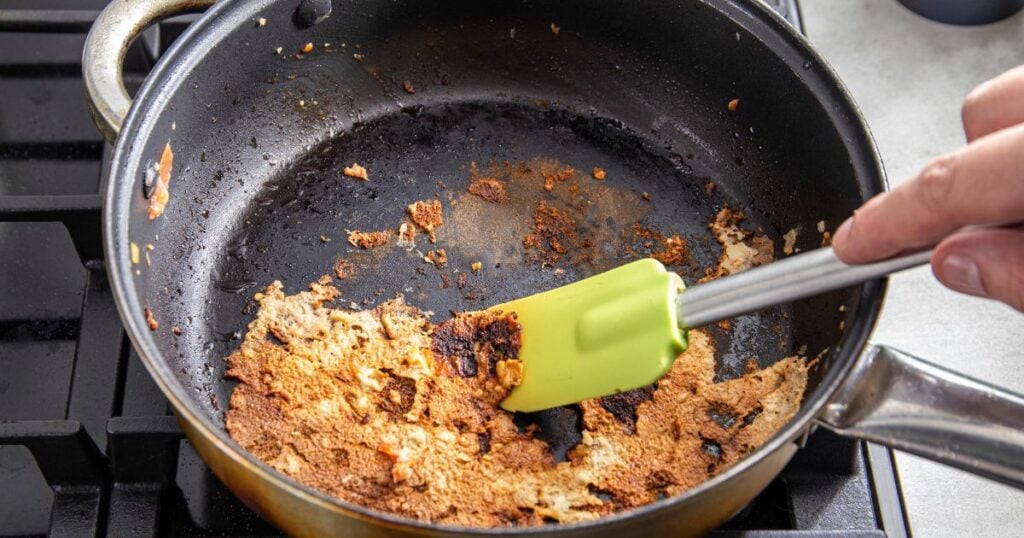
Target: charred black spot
623,406
484,440
406,390
711,448
455,340
722,414
602,494
750,417
560,427
503,336
466,365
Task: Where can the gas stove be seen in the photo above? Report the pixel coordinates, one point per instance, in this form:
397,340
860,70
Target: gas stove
87,442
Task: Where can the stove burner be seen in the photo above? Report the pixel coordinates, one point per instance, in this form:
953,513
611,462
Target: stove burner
87,444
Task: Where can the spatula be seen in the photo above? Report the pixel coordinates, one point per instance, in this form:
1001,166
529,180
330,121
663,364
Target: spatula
622,329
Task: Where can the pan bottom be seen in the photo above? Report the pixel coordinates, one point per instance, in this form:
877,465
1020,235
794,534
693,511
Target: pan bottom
296,228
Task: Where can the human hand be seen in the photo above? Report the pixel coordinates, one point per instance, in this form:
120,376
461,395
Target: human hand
981,184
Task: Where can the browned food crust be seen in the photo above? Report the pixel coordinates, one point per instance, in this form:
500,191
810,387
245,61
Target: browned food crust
343,268
438,258
427,215
741,249
667,250
368,240
382,409
562,174
555,233
489,189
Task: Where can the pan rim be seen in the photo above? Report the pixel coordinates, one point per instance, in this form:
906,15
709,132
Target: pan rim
167,73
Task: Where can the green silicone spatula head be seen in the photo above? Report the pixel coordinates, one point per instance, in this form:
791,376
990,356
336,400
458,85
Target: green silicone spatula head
621,330
606,334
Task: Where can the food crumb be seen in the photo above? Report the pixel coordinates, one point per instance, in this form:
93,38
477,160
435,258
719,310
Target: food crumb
437,258
709,187
559,271
307,48
476,266
162,194
489,189
599,173
555,29
674,252
826,239
725,325
646,196
821,226
148,261
357,57
325,239
368,240
342,268
408,87
176,330
427,215
134,251
261,22
561,175
278,50
733,105
150,320
789,237
462,280
356,171
406,236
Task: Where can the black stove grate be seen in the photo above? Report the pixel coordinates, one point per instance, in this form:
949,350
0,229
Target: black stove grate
87,443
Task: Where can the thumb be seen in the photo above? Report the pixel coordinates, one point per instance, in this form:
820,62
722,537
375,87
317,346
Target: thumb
984,262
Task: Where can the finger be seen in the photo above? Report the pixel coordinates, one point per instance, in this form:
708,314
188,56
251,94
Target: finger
994,105
985,263
981,184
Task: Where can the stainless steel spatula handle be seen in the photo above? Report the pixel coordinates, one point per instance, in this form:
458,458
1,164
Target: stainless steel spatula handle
781,282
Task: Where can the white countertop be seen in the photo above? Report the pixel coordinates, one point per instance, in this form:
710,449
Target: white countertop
909,75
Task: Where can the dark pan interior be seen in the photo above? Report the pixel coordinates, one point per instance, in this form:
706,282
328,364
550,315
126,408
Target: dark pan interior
637,88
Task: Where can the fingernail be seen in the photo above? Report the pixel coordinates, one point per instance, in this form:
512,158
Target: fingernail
959,272
843,232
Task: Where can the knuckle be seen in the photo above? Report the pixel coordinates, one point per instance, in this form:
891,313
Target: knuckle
973,104
938,181
974,111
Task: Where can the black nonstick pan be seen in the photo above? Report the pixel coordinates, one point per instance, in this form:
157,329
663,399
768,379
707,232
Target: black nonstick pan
264,102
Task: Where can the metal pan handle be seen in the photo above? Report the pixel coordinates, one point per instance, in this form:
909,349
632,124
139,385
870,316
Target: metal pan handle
105,48
898,400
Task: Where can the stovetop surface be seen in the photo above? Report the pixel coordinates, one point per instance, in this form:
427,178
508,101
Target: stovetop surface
87,443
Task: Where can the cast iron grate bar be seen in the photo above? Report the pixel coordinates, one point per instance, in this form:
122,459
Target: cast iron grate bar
80,214
95,391
143,454
73,467
59,21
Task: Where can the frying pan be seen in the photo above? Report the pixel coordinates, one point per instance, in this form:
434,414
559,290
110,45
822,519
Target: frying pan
260,131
